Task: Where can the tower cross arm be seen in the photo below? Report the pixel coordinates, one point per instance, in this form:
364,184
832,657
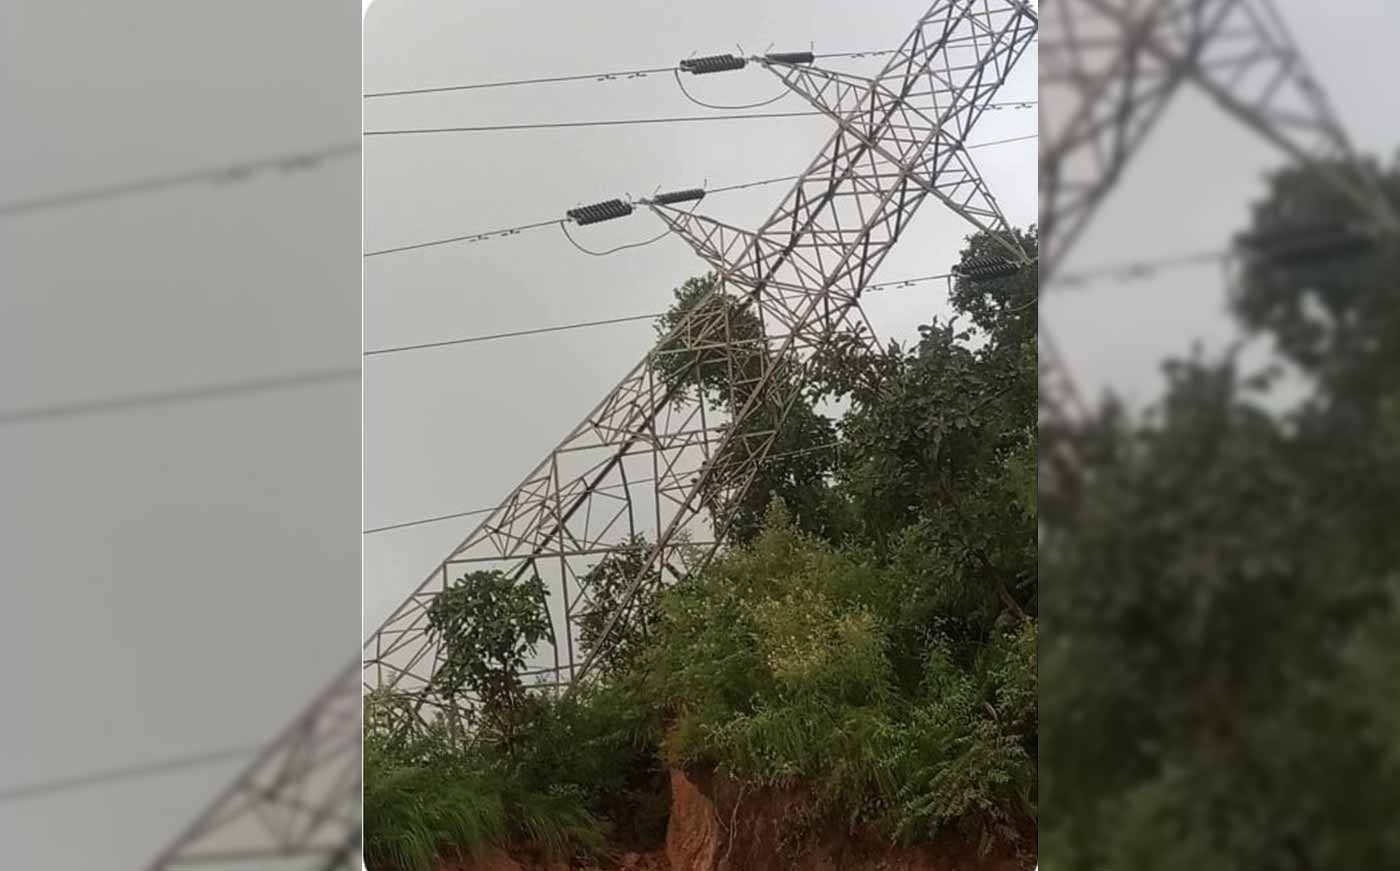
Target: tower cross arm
916,115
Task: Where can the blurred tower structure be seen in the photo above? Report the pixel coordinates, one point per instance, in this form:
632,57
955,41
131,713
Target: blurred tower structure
1109,70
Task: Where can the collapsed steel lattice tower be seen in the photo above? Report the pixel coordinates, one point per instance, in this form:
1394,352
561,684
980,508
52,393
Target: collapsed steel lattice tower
654,461
652,455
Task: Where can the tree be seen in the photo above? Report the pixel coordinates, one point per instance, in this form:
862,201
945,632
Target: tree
487,625
941,439
887,657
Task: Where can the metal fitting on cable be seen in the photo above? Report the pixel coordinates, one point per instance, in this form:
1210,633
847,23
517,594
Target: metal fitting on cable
981,268
673,197
1302,243
715,63
790,57
595,212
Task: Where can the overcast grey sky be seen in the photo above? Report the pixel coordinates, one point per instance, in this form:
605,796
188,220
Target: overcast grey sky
183,577
454,429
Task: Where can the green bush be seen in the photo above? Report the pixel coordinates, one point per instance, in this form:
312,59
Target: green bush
777,666
429,797
416,813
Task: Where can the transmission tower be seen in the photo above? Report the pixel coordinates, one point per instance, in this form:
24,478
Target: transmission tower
646,460
654,471
1109,70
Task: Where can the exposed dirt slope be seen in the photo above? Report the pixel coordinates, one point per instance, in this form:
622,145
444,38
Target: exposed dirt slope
717,825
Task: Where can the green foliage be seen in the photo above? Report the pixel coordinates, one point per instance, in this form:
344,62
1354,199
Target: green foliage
599,747
942,439
417,811
487,625
971,739
582,771
775,667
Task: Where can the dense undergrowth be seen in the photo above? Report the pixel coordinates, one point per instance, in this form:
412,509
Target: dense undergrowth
870,639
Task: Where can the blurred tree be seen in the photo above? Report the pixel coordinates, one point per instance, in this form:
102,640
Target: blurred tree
1221,586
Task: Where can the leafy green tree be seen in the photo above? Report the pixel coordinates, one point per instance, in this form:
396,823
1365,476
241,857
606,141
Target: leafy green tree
939,464
488,625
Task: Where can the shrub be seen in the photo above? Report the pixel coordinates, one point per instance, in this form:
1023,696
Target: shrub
430,797
777,666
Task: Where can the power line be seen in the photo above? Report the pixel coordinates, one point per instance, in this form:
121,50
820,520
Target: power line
512,231
229,173
473,237
751,184
680,84
1140,269
574,242
34,790
885,285
513,334
619,122
1003,141
583,77
612,122
600,77
471,513
182,395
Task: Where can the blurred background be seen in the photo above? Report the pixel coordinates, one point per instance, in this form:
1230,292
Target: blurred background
179,405
1220,435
